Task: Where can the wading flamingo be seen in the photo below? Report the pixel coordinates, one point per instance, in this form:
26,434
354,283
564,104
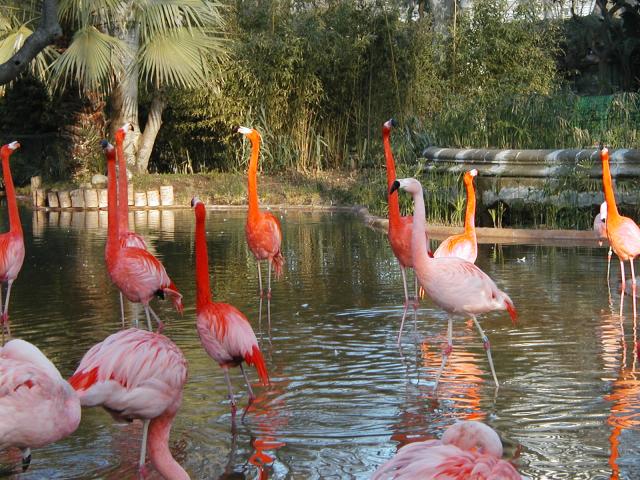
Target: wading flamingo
600,227
136,374
455,285
623,233
465,244
468,450
136,272
11,242
262,230
37,405
225,333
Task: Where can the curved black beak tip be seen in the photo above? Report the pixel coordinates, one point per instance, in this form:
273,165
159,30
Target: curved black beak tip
26,461
393,122
104,143
194,201
600,146
395,186
235,128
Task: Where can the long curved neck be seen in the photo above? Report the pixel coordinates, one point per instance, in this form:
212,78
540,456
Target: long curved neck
607,185
418,235
470,216
158,446
253,175
113,229
122,193
394,203
203,288
12,204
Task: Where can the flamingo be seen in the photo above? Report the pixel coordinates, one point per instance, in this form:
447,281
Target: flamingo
225,333
468,450
263,232
455,285
137,374
600,227
11,242
463,245
37,405
136,272
622,232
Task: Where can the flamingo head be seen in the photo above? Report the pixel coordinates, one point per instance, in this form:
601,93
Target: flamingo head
121,133
13,145
603,212
410,185
127,127
470,434
106,146
195,201
604,151
389,124
468,176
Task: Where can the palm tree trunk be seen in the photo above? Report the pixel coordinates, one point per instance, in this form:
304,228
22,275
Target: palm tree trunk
151,129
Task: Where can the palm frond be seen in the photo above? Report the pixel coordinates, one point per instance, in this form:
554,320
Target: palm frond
162,16
93,60
82,12
178,58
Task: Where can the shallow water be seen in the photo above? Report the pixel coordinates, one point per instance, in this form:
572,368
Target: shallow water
343,397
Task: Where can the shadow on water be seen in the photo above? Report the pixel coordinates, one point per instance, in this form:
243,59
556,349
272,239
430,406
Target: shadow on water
343,397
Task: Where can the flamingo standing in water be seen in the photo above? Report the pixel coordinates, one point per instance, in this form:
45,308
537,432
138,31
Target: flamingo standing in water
11,242
465,244
136,374
263,232
468,450
224,331
37,405
600,227
622,232
455,285
136,272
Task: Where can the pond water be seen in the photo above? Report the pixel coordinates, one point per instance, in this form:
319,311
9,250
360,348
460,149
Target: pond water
343,397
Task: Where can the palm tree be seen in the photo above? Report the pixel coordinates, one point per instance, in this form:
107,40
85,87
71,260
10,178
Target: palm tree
122,46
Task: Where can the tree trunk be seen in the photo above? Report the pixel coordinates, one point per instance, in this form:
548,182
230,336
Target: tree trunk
48,30
151,129
442,11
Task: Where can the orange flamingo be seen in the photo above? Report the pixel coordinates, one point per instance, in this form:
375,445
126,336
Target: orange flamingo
11,242
135,374
468,449
622,232
465,244
137,273
225,333
399,231
263,232
127,237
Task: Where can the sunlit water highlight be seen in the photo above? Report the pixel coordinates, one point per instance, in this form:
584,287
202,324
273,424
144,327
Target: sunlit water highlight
343,397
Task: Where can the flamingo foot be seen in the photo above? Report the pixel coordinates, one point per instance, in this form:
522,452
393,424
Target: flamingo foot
447,350
160,327
143,471
485,342
269,295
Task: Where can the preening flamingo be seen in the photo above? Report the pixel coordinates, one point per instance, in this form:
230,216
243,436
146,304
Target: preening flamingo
11,242
622,232
136,374
263,232
225,333
455,285
37,405
468,450
465,244
600,227
136,272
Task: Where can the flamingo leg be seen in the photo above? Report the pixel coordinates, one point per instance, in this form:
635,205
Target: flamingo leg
416,300
404,284
1,320
633,287
623,286
487,348
143,447
252,397
122,308
609,263
5,312
157,319
269,281
445,352
404,315
230,389
259,278
146,311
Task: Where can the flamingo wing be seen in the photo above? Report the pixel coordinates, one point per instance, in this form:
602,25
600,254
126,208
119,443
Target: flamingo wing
131,239
138,272
11,255
624,236
264,235
135,373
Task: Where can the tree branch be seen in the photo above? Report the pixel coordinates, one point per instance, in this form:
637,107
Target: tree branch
47,31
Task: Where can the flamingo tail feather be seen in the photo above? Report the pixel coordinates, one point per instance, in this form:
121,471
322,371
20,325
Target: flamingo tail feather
256,359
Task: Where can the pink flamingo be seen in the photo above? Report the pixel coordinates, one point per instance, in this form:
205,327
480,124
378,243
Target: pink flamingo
468,450
136,374
455,285
600,227
37,405
225,333
263,232
623,233
11,242
136,272
465,244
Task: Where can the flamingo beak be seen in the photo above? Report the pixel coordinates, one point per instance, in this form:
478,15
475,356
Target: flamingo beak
26,459
244,130
14,145
473,172
395,186
195,201
391,123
